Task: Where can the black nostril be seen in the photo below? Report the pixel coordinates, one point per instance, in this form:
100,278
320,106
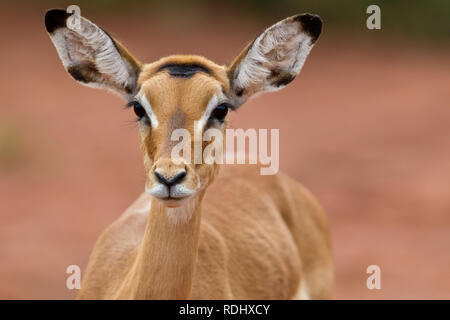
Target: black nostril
161,178
174,180
178,177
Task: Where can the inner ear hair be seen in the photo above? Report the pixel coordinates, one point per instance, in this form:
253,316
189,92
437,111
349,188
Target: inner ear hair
275,57
91,56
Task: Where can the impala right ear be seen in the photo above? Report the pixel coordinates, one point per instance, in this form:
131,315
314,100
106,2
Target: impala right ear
90,55
274,58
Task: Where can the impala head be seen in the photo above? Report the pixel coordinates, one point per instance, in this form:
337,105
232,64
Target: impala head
183,91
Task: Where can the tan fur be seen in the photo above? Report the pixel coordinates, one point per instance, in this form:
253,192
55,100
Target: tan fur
252,236
260,237
229,235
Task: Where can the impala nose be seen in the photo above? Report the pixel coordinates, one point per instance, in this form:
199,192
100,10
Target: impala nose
170,180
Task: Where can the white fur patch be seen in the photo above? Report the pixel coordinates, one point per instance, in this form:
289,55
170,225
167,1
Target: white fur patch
183,213
158,190
89,43
180,191
148,108
212,104
282,47
302,293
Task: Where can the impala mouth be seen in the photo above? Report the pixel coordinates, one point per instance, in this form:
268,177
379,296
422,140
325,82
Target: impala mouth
168,201
176,193
171,198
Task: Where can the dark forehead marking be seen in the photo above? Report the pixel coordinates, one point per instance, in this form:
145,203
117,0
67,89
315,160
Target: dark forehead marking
184,70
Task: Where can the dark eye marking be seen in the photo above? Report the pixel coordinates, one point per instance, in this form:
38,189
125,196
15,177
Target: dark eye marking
138,110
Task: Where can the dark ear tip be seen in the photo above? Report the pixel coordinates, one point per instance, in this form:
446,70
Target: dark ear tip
55,19
311,23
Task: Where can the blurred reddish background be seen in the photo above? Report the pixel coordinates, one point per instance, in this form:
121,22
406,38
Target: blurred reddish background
366,127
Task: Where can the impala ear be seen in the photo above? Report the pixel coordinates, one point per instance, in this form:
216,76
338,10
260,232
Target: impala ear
274,58
90,55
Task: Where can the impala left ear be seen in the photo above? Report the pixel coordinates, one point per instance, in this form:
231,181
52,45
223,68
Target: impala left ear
274,58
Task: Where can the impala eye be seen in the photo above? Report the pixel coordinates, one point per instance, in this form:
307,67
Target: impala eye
220,112
138,109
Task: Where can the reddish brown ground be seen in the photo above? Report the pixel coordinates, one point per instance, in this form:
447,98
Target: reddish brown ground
365,127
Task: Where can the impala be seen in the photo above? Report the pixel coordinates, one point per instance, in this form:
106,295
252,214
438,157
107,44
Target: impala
196,233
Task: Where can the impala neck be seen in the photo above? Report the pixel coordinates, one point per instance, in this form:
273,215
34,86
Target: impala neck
165,262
